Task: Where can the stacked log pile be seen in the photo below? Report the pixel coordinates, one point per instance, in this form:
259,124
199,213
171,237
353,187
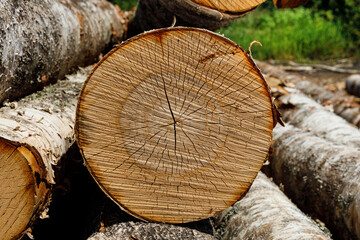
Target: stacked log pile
174,125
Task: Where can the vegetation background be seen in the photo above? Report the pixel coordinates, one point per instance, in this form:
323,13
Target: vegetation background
323,30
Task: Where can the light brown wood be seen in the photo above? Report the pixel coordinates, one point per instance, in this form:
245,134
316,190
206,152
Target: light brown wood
289,3
35,132
175,124
266,213
233,6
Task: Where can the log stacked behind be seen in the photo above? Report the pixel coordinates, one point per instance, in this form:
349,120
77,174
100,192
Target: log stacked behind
139,230
266,213
35,132
343,105
42,40
212,15
321,177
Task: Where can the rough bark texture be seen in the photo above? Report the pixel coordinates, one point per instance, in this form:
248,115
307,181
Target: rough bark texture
149,231
35,132
303,112
321,177
152,14
342,104
353,85
42,40
266,213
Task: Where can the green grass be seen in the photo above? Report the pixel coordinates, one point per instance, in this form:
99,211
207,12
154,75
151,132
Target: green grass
125,4
291,34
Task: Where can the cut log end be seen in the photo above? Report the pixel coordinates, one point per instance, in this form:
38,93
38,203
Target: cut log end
175,124
231,6
21,189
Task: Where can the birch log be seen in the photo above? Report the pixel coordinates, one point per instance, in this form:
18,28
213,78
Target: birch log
35,132
321,177
303,112
343,105
152,14
266,213
174,124
140,230
42,40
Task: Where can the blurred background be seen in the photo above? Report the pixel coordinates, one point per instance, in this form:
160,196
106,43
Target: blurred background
321,31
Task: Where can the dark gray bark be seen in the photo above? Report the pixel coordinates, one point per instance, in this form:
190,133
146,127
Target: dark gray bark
42,40
149,231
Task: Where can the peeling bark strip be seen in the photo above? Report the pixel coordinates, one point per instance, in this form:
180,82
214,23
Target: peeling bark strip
153,14
171,137
131,230
305,113
42,40
266,213
343,105
322,178
35,132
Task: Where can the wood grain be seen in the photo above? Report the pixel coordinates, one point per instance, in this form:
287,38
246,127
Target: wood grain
233,6
174,124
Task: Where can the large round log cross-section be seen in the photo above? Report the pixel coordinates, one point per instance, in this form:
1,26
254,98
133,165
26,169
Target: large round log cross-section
175,124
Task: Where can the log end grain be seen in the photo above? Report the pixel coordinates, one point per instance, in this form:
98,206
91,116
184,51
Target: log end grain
22,189
174,124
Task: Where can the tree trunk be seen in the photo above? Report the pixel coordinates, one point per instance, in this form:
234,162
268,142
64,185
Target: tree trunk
303,112
35,132
168,122
42,40
153,14
289,3
139,230
266,213
321,177
343,105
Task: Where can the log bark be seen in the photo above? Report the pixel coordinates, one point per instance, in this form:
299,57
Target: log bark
321,177
303,112
139,230
153,14
156,108
266,213
35,132
342,104
42,40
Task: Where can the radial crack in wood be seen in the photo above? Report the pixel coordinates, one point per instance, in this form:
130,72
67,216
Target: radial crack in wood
174,124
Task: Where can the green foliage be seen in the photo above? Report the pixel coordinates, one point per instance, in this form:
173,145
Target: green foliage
347,11
125,4
290,34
